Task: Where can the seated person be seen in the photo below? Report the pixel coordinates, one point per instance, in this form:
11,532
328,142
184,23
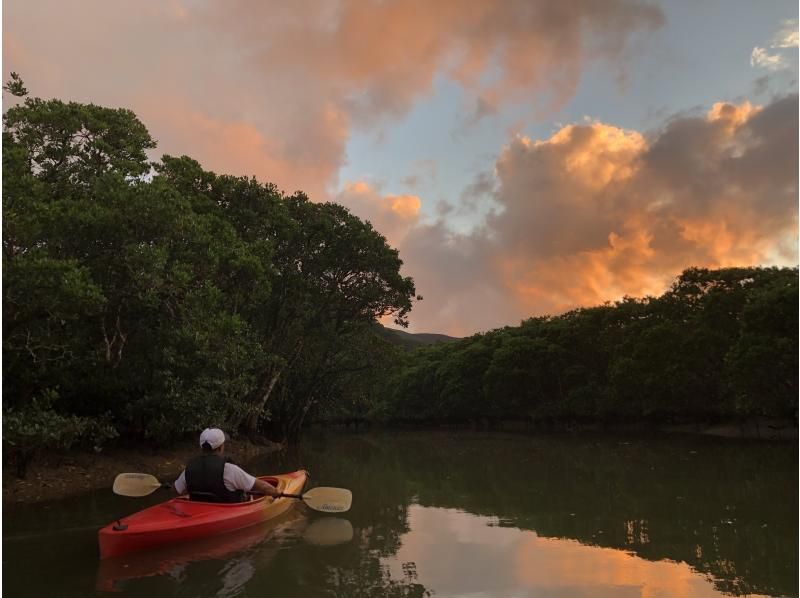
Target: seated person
211,477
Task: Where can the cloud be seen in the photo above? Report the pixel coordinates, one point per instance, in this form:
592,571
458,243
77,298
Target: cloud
788,36
391,215
454,272
596,212
411,181
477,192
485,105
555,194
761,58
362,50
293,79
238,147
425,171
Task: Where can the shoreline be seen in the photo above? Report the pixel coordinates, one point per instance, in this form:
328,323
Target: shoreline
53,476
760,428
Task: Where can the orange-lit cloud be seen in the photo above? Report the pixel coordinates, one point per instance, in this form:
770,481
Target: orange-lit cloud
238,147
731,115
381,55
391,215
292,79
596,212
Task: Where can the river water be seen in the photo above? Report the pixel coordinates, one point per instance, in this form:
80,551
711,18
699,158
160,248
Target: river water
462,514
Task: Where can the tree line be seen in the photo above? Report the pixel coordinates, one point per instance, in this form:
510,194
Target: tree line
718,345
146,300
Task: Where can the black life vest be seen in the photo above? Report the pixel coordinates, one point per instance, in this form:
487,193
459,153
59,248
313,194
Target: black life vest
204,480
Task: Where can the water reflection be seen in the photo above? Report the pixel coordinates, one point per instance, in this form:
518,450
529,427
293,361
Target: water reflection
727,509
329,531
500,561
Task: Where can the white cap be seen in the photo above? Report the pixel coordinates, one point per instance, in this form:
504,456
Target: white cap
213,436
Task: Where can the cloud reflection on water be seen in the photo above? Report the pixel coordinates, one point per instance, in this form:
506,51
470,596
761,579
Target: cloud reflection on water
459,554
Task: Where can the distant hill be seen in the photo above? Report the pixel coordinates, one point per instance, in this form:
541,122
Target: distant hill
409,340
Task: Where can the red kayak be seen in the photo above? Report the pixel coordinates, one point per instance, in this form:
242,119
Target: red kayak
112,573
180,519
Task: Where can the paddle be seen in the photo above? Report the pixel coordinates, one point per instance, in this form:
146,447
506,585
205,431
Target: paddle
137,484
322,498
325,499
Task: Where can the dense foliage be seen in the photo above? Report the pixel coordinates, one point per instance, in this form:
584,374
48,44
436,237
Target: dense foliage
719,344
148,300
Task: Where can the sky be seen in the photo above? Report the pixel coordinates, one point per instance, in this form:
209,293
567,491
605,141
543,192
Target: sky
525,157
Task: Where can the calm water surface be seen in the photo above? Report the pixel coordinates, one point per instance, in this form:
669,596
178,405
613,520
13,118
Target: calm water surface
462,514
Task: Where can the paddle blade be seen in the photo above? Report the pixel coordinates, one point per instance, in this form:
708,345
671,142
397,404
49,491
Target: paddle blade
329,500
135,484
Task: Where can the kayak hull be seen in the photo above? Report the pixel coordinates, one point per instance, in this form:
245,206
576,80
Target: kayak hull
181,520
262,539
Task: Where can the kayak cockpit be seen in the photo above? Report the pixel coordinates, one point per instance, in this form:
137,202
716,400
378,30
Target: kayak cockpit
210,497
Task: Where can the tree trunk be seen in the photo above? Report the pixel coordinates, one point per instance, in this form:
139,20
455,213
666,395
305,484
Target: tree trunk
294,424
251,425
307,407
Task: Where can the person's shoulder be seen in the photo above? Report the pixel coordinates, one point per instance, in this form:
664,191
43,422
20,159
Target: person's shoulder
232,467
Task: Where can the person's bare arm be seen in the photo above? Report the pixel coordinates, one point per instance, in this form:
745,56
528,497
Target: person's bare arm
179,486
262,487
